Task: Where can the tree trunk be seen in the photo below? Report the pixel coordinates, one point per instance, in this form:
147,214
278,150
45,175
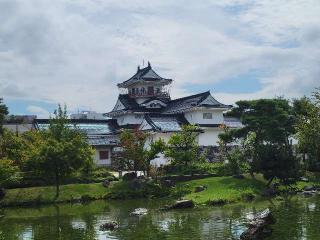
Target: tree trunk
270,181
252,174
57,185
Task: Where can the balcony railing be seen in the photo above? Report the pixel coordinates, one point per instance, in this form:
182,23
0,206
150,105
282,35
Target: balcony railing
148,94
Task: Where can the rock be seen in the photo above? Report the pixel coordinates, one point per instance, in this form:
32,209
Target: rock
2,193
217,202
269,192
129,176
168,183
112,225
143,177
309,188
200,188
106,183
304,179
139,212
258,228
86,198
308,193
181,204
137,184
238,176
248,197
275,185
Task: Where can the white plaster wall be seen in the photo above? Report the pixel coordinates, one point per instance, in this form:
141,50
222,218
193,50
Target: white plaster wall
209,137
130,118
102,162
196,116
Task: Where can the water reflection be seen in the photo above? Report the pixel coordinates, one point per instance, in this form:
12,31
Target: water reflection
298,218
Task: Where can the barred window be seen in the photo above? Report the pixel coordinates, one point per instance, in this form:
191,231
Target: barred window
103,155
207,115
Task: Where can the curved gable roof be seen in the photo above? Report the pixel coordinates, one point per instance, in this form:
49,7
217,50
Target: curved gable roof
144,74
204,99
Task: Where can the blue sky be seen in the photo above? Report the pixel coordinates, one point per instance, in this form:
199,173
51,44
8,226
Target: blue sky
74,52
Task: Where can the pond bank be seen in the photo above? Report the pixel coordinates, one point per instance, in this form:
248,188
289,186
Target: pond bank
213,191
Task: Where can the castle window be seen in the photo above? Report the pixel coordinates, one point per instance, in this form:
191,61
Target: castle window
133,91
103,155
150,91
207,115
143,90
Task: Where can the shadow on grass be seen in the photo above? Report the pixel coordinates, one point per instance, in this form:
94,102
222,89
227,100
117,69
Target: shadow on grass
242,184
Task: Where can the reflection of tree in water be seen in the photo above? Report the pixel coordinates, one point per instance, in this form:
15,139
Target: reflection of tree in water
205,223
297,218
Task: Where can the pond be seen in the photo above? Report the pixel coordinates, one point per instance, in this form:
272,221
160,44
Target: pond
297,218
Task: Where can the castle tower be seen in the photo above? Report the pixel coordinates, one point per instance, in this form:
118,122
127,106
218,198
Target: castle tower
145,84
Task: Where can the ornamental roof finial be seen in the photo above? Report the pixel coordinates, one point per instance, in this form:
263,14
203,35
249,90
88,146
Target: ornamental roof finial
149,65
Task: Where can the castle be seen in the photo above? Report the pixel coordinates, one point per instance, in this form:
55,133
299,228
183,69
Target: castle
145,103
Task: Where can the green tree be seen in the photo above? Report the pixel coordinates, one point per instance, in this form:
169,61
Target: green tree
308,129
12,147
183,147
63,152
132,145
154,149
3,113
7,171
272,123
136,153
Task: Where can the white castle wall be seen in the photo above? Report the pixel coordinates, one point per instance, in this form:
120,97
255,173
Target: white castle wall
196,116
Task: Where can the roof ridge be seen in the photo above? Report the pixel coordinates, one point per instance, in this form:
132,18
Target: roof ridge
190,96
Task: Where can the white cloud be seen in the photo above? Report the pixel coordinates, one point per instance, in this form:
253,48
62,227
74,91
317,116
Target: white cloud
39,111
74,52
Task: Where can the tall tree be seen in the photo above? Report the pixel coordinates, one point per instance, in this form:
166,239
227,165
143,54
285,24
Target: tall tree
182,146
133,150
272,122
308,129
3,113
136,152
64,151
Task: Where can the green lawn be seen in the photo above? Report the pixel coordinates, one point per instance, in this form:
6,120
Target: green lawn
219,190
40,195
226,189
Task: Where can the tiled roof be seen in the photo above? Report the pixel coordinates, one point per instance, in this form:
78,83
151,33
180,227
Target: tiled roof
102,141
173,106
199,100
166,123
144,74
128,102
89,127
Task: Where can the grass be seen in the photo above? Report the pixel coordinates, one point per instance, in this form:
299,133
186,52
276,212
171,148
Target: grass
219,190
45,195
222,189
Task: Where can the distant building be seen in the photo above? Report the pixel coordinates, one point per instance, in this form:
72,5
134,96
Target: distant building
88,115
19,123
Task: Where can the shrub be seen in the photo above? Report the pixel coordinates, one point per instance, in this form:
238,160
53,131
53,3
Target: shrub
217,168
